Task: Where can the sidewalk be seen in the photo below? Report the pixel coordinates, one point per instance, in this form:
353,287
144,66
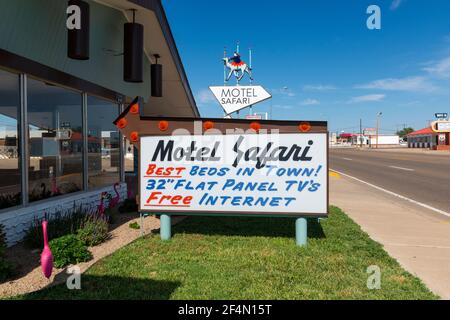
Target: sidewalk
29,276
399,150
417,238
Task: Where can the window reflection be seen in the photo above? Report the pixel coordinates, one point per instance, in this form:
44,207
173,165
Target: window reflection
103,136
55,140
129,156
10,190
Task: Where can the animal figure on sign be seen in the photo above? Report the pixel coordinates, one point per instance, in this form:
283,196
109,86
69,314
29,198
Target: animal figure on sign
115,201
238,67
46,255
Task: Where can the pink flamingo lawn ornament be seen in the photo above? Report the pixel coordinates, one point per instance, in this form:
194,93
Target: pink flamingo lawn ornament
55,189
115,201
101,207
46,255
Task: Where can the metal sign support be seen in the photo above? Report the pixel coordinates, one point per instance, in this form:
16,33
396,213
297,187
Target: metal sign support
166,227
301,232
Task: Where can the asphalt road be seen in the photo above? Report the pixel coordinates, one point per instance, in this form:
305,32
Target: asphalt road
422,177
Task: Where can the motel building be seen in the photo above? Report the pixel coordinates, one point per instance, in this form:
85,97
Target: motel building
430,138
61,90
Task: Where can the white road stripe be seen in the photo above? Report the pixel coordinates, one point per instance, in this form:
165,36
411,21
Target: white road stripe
447,214
400,168
417,246
348,159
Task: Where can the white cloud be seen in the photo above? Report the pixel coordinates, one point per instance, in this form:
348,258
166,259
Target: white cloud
319,87
283,92
440,69
417,84
310,102
285,107
395,4
368,98
205,96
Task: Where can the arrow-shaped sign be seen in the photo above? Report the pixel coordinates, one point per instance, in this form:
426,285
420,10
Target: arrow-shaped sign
236,98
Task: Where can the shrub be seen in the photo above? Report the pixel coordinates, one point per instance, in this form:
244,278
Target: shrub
60,224
94,231
9,200
69,250
134,226
5,267
129,205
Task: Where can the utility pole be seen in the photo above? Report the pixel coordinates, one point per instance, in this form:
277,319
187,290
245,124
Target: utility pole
378,126
250,54
360,133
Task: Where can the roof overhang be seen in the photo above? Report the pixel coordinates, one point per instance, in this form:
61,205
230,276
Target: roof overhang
177,99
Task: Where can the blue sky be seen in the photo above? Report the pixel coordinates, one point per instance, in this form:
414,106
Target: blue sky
319,59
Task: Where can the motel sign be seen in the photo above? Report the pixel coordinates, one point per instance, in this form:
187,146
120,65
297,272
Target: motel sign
235,98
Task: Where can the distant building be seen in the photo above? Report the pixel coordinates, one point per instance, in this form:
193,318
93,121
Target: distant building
333,138
429,139
384,140
345,138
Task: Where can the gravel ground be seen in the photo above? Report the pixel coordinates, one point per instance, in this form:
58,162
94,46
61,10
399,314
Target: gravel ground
29,276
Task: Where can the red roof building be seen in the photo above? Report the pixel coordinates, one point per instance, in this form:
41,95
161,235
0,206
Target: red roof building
427,138
421,132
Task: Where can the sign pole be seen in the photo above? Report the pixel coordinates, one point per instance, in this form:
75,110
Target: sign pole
141,217
251,81
301,232
166,227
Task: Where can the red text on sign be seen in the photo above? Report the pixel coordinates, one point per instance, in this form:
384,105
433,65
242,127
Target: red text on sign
157,199
155,171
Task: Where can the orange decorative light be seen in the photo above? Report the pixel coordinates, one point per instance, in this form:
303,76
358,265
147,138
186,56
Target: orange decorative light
134,136
255,126
304,127
208,125
134,108
163,125
122,123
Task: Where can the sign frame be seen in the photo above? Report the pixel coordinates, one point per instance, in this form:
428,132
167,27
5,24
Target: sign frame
133,124
435,126
148,126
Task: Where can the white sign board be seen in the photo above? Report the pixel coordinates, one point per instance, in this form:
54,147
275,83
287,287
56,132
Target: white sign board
233,99
370,132
64,134
285,174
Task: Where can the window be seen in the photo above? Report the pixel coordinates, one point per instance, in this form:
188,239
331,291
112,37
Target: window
10,187
104,143
55,140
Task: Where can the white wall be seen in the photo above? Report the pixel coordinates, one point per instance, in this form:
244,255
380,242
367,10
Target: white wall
386,140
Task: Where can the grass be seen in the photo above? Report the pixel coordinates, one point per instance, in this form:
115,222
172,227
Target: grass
247,258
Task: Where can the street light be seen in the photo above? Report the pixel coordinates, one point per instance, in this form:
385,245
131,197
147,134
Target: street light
378,125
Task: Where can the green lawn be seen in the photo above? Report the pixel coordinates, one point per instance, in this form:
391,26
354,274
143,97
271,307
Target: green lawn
247,258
